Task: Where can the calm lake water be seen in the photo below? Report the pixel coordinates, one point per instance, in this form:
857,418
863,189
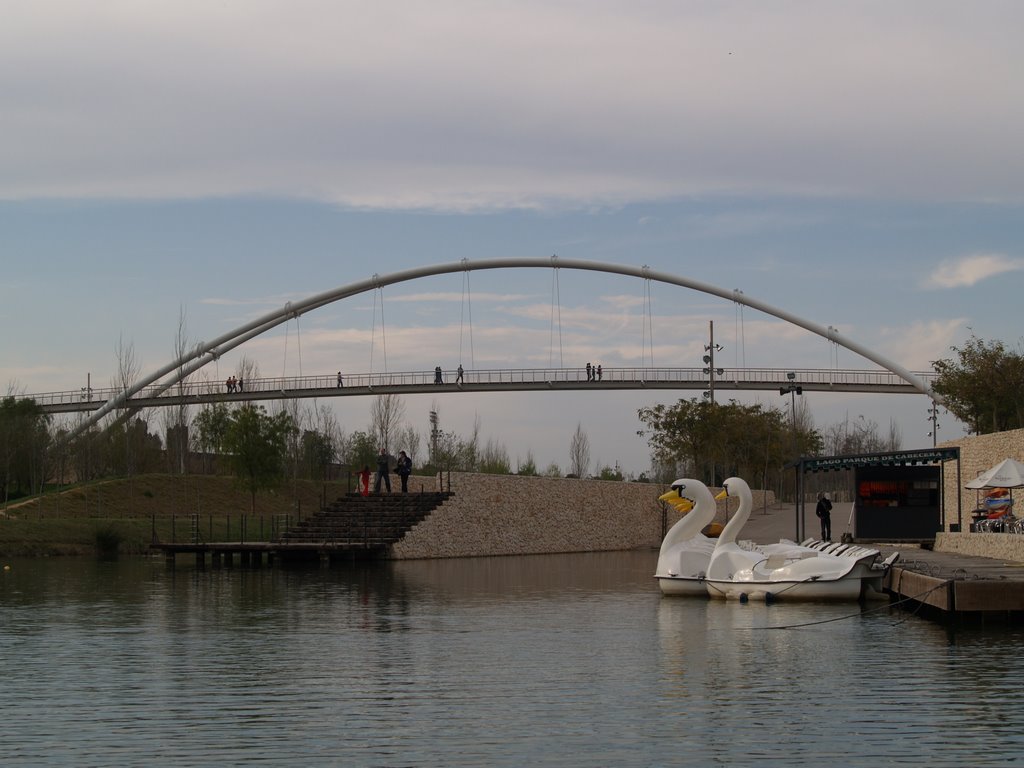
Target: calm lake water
555,660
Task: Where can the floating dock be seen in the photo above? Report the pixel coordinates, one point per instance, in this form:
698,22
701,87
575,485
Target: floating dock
954,586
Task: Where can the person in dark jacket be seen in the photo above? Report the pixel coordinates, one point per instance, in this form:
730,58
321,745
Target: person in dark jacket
404,469
824,513
382,472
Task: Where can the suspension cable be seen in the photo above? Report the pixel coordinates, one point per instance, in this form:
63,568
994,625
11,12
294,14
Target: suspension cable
383,334
284,362
467,305
648,321
556,301
298,343
739,333
373,328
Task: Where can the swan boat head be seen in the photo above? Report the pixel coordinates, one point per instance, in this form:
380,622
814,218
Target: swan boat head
693,499
685,550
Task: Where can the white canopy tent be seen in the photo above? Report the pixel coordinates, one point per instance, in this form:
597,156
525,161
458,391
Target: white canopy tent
1009,473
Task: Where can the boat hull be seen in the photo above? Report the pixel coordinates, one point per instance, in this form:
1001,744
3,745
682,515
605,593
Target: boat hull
682,585
849,588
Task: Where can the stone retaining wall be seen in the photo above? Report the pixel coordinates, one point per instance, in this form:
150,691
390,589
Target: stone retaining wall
1002,546
512,515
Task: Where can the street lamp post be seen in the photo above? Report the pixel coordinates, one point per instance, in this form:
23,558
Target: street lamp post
709,361
933,417
794,389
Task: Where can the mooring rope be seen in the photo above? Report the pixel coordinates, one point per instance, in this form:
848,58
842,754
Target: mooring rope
887,606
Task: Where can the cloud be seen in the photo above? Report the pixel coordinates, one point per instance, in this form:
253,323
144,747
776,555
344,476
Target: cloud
409,106
919,344
255,301
972,269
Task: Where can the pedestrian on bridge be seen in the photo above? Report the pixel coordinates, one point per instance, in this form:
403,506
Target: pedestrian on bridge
438,379
339,380
382,472
590,372
458,374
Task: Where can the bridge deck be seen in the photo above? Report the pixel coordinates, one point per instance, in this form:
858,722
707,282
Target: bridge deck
497,380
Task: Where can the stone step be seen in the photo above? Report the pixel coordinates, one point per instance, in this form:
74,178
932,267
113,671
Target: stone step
366,520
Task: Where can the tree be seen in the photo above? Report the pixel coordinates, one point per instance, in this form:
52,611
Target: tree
494,459
553,470
579,453
24,446
408,440
176,417
386,415
318,453
527,466
258,446
212,427
128,370
984,386
711,441
860,436
610,473
360,451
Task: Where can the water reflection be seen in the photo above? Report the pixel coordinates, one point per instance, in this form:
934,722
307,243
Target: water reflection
571,660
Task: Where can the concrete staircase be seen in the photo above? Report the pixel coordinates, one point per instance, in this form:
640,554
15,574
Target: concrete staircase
365,522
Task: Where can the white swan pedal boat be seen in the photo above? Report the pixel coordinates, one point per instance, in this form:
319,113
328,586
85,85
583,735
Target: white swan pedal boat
786,571
685,550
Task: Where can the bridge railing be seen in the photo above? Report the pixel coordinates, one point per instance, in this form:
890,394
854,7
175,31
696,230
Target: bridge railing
284,384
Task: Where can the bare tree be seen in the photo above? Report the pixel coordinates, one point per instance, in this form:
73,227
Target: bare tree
297,417
128,370
248,372
579,452
386,415
177,417
408,440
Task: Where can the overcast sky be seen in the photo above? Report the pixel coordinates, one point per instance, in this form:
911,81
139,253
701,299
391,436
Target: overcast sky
858,164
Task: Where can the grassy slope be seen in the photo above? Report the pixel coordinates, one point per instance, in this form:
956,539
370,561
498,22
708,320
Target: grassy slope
130,511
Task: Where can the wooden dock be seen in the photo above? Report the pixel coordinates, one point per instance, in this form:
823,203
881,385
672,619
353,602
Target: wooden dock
956,586
254,554
352,527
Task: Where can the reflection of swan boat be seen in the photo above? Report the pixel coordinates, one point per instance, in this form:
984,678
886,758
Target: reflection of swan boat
685,550
786,571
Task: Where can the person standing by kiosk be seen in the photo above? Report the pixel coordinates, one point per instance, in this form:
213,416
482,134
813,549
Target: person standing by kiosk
824,513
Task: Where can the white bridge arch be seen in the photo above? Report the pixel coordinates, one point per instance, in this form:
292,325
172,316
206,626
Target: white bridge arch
206,352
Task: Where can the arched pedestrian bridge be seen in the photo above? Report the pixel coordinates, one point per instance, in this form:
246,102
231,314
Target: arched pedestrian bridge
150,390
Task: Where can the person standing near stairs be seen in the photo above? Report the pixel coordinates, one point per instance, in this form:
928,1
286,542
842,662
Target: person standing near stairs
404,469
382,472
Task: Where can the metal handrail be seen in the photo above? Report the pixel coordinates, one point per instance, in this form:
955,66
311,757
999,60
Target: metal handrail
285,384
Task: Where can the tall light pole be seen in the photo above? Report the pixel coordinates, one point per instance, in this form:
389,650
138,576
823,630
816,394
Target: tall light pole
709,360
793,390
433,437
933,417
